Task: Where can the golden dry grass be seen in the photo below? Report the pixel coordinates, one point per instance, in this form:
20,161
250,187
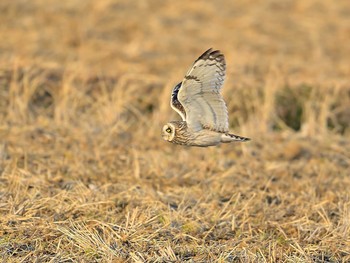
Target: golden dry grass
84,92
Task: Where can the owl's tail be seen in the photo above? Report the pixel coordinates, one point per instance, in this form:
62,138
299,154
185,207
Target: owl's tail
228,137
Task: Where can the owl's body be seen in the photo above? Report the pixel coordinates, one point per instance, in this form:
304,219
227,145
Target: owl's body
198,101
201,138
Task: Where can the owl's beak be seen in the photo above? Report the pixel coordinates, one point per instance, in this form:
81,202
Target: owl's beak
163,135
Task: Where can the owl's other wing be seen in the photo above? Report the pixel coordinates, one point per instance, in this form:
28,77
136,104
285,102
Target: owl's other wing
200,95
176,104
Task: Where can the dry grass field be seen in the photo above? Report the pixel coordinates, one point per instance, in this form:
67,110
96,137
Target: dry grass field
84,92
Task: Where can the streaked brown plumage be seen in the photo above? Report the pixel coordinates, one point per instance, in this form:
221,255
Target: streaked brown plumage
198,101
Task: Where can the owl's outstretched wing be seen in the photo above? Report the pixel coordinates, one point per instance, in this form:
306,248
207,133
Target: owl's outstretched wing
200,95
175,103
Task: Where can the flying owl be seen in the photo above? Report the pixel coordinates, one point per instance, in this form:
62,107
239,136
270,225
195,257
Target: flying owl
198,101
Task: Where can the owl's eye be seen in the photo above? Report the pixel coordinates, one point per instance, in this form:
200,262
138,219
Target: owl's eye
168,130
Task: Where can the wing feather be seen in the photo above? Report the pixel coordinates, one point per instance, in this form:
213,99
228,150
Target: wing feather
175,103
200,95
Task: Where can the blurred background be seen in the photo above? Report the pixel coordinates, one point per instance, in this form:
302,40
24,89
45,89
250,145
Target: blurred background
288,61
281,55
84,92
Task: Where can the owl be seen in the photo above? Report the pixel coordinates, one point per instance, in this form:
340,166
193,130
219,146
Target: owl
198,101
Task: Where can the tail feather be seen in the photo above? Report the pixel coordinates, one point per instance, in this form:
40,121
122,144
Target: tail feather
228,137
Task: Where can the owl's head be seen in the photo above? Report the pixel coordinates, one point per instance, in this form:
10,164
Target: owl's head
168,132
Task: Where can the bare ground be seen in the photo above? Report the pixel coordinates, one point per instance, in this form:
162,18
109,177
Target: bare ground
86,177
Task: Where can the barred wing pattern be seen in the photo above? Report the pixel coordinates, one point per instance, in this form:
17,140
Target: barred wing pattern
175,103
199,94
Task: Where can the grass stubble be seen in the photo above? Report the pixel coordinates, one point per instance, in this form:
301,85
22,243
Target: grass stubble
86,177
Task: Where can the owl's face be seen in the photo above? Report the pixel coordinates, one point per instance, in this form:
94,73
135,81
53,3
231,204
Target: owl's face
168,132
